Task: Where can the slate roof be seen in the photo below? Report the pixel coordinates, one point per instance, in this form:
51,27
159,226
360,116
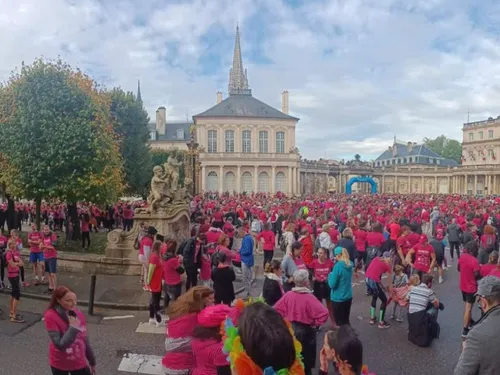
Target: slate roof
171,131
244,105
417,150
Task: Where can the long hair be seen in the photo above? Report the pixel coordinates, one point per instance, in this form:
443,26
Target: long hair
344,257
59,293
189,302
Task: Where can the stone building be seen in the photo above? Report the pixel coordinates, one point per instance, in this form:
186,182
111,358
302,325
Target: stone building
246,145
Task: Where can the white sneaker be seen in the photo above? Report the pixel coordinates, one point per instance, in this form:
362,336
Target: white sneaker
152,321
160,324
440,280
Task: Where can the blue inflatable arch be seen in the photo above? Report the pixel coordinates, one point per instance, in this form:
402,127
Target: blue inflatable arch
371,181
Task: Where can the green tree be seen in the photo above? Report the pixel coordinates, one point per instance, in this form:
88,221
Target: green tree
131,124
446,147
160,157
57,137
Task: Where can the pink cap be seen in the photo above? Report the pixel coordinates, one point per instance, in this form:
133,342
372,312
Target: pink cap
213,316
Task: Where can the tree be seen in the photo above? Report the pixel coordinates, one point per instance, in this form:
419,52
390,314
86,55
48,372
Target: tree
446,147
57,137
160,157
131,124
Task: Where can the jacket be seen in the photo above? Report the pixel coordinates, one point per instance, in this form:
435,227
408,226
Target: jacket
453,233
188,254
246,250
340,282
479,356
223,278
272,291
350,246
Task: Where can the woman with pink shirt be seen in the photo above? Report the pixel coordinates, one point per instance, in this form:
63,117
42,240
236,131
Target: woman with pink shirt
172,271
207,342
14,235
70,352
223,247
145,247
47,245
183,314
305,313
14,263
268,239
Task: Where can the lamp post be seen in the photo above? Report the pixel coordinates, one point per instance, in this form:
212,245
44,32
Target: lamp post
193,153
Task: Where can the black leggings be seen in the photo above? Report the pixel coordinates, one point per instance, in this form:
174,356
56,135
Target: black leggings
380,294
342,311
15,291
191,278
83,371
21,272
154,306
454,245
268,257
85,236
3,266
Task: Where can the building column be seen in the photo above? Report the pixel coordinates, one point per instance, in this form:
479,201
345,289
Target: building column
474,191
408,190
273,180
203,178
255,179
382,188
238,179
449,187
423,187
294,181
396,186
221,179
494,183
289,179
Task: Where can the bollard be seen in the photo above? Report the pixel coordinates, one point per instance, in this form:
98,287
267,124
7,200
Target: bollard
92,294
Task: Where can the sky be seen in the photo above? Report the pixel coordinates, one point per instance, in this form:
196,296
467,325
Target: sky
358,72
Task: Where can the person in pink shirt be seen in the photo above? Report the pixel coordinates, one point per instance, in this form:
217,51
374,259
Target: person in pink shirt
321,267
360,242
14,235
305,313
206,268
47,245
223,247
3,263
70,351
14,263
36,254
425,257
207,344
172,271
268,239
469,269
145,247
378,267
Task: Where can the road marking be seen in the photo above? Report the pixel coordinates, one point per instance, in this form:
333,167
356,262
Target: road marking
145,327
118,317
141,364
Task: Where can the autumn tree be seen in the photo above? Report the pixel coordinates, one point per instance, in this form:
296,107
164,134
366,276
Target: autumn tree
131,124
446,147
57,137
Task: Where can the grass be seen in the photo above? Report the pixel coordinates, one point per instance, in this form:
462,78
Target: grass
98,243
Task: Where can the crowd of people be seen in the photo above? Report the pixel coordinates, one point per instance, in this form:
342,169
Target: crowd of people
324,242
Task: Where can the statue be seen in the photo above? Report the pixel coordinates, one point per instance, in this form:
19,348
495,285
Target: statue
172,172
159,189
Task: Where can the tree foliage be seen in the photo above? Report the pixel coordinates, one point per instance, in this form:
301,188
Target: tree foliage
57,136
446,147
131,124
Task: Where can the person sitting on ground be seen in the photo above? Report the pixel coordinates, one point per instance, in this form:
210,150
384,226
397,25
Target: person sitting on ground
343,347
305,312
478,356
423,313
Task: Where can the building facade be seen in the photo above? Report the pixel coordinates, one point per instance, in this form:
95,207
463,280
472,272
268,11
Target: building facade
246,145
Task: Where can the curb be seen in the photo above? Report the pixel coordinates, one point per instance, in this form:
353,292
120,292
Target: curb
104,305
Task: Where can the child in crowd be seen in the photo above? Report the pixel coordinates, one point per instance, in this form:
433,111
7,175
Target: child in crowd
486,269
206,268
400,289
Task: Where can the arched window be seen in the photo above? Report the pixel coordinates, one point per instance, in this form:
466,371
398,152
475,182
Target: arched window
180,134
263,142
246,182
212,184
280,182
229,182
263,182
246,141
229,140
280,142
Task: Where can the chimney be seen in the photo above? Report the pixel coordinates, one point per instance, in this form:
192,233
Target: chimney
161,114
219,97
394,150
410,147
284,102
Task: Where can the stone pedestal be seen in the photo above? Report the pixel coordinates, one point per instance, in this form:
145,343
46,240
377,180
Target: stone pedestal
172,221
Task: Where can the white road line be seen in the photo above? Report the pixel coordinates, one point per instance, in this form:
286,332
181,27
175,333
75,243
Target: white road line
150,328
141,364
118,317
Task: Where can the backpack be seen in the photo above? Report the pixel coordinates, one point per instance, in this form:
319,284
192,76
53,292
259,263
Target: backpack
283,245
490,243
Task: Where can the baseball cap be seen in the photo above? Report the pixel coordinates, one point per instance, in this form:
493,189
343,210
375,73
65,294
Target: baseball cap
488,286
338,250
387,254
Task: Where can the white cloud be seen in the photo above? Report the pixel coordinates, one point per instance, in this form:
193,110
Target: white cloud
358,72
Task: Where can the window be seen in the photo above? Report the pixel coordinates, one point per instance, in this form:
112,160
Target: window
480,135
471,136
280,182
246,182
399,161
263,142
393,161
434,161
490,133
212,141
263,182
280,142
229,140
212,181
490,152
411,160
229,182
246,141
180,133
152,135
405,160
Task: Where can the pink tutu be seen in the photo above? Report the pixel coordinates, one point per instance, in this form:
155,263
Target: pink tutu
399,295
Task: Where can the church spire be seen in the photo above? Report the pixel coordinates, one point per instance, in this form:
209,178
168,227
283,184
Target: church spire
238,82
139,98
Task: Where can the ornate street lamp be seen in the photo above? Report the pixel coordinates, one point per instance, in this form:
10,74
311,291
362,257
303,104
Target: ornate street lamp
193,153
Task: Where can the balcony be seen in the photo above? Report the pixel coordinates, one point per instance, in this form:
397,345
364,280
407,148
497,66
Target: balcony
248,155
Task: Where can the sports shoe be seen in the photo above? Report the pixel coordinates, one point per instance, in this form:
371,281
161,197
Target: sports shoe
25,284
440,280
383,325
152,321
373,321
392,317
399,320
465,332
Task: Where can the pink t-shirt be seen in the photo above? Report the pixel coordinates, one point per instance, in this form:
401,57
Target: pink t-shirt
468,265
423,257
208,356
85,226
360,240
49,251
321,270
12,271
495,272
300,263
3,241
74,357
35,236
376,269
206,267
145,242
170,274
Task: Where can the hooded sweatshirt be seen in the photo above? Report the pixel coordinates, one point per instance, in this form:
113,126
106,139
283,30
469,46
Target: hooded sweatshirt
340,282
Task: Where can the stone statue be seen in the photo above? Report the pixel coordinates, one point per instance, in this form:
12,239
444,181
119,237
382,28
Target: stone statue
159,189
172,172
